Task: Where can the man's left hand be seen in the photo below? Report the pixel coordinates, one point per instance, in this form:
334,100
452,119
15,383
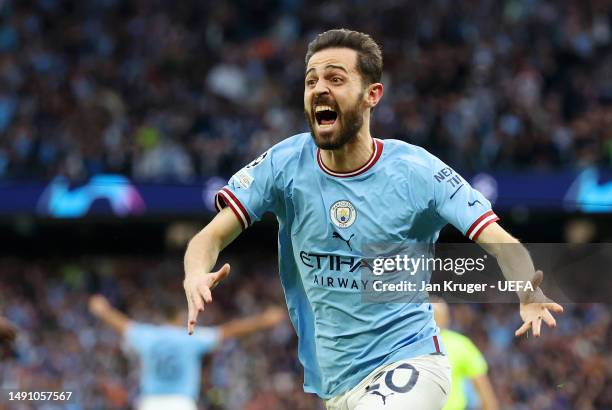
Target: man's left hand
535,307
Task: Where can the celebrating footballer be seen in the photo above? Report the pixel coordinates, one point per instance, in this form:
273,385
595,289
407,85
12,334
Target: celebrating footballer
333,190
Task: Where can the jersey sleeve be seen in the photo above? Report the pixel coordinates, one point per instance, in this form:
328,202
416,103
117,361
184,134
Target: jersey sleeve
458,203
250,193
207,338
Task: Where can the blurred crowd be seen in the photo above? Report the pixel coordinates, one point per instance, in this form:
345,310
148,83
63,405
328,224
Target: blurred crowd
61,347
176,90
569,367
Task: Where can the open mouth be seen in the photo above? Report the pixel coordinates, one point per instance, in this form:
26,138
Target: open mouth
325,115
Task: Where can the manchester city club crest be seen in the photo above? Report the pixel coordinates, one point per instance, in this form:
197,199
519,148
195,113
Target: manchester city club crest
343,214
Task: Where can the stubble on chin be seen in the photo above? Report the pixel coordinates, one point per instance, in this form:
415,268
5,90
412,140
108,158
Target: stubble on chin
349,124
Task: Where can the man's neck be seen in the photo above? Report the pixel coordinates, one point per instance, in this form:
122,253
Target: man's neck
351,156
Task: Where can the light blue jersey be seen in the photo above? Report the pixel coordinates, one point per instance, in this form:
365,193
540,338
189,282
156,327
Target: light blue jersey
401,195
170,359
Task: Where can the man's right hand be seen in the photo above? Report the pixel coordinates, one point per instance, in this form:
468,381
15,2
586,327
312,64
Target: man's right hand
273,316
198,292
98,305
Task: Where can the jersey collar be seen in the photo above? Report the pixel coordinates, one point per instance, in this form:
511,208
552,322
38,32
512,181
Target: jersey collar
378,148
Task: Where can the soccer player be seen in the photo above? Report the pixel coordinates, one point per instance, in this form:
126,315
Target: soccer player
170,360
466,363
333,190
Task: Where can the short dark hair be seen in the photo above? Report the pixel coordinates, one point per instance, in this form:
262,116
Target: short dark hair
369,55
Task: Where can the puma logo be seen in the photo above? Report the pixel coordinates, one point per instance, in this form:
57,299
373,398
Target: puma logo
382,396
336,235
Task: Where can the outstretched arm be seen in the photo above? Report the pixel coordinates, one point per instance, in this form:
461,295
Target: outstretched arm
485,391
100,308
200,257
243,327
516,264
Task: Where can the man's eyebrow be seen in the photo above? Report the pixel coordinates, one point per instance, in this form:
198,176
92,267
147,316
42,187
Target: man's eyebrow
338,67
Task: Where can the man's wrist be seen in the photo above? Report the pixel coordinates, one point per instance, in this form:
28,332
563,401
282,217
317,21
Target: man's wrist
194,274
527,296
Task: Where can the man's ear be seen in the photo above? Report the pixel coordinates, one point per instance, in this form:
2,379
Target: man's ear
374,93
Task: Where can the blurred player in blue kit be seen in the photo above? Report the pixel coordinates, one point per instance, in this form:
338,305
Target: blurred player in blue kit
334,190
170,360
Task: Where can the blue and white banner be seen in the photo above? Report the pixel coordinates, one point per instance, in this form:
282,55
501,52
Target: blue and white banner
588,191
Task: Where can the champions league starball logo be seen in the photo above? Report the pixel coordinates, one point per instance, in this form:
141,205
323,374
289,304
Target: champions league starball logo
257,160
343,214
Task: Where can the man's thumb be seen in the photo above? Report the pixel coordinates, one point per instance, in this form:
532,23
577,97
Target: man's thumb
222,273
537,279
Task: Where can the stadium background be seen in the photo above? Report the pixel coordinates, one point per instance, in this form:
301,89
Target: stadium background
167,99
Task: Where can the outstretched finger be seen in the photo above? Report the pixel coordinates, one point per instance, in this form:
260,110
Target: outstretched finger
549,319
536,326
191,316
555,307
205,294
195,307
198,303
524,328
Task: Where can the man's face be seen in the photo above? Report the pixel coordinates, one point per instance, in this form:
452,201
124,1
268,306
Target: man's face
333,97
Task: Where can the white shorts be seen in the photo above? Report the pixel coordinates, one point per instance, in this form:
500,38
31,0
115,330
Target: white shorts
166,402
421,383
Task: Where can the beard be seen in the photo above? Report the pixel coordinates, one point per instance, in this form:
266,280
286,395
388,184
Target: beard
348,124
